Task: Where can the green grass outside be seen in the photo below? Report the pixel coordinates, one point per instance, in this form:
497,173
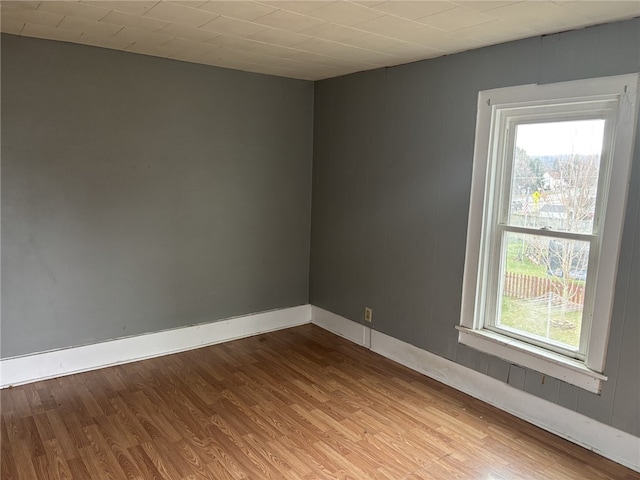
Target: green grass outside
533,319
565,327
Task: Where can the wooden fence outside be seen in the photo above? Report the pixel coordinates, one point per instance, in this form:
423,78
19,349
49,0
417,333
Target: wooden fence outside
518,285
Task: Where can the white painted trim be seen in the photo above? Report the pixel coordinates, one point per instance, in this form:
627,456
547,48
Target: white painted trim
520,353
614,444
355,332
57,363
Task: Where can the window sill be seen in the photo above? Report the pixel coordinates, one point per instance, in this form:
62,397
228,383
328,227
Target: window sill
529,356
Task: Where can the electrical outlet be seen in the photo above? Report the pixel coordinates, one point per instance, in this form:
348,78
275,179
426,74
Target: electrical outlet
368,314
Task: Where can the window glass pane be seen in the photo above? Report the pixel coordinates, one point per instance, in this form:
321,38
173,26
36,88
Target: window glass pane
555,175
542,292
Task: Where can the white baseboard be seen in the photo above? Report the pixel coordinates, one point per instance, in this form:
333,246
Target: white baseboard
57,363
607,441
619,446
342,327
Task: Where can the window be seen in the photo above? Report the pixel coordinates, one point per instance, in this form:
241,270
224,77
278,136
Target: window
550,176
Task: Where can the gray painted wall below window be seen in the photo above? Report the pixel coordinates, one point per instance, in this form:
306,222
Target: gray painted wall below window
393,152
141,194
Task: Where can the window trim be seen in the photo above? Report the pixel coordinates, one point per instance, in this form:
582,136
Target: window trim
587,373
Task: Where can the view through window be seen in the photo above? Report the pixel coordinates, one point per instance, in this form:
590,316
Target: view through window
553,187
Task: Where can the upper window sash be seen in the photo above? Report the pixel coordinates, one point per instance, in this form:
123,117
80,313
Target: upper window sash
510,118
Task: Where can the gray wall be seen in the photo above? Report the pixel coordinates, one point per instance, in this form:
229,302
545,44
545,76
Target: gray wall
141,194
393,151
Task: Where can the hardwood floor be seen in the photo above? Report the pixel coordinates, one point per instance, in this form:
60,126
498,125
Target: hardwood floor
300,403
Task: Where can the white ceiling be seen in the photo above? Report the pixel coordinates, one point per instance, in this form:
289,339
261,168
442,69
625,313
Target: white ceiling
302,39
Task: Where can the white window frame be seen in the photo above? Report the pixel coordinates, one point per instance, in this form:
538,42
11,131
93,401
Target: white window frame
618,97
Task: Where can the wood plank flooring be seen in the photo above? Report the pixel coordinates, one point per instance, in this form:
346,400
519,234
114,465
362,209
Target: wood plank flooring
300,403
